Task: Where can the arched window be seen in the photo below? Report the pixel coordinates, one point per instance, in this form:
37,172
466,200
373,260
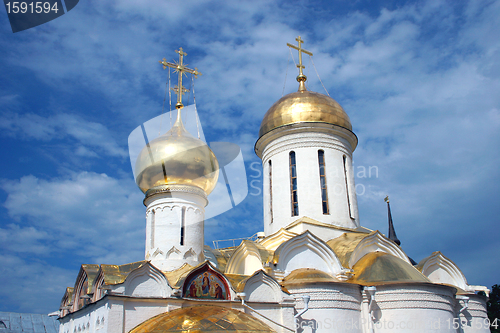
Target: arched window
347,187
293,185
322,179
183,224
271,190
153,216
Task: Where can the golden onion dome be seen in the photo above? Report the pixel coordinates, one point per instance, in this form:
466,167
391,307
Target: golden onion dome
177,158
304,106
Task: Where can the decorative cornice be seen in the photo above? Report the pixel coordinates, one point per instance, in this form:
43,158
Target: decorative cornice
438,261
165,189
475,309
376,242
290,141
160,207
306,127
286,251
411,298
322,298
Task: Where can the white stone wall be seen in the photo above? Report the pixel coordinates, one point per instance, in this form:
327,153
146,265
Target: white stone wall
91,319
333,307
413,308
305,141
165,215
474,318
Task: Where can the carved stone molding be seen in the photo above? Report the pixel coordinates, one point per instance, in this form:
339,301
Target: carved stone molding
160,207
304,140
175,188
475,309
322,298
402,298
301,129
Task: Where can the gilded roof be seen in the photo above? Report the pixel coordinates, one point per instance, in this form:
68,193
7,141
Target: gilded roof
307,276
378,268
91,270
304,107
273,241
344,245
237,281
203,318
176,277
265,254
115,274
223,255
69,292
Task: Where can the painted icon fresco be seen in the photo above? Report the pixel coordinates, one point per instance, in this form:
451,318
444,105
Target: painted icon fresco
205,283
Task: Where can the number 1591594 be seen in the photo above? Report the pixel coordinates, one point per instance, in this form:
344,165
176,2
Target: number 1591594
33,7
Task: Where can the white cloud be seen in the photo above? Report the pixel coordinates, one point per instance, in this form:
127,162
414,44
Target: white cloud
24,239
42,287
60,126
87,214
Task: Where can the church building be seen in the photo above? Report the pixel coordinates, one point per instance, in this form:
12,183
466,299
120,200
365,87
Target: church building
314,268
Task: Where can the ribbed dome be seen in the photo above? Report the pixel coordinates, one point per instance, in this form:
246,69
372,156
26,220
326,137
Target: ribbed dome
202,318
304,106
177,158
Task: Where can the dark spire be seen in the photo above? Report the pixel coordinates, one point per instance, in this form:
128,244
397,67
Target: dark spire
392,232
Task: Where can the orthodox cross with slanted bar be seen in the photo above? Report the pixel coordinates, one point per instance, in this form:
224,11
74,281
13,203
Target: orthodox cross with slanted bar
301,78
180,68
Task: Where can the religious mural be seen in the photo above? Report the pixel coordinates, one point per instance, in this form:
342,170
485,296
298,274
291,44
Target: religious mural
205,283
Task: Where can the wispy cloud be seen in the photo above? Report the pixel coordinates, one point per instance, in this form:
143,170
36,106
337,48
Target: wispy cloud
88,214
41,283
88,135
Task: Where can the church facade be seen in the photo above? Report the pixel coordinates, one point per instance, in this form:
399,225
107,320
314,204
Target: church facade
313,269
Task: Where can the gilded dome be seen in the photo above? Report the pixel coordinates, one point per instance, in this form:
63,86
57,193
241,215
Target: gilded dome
202,318
381,268
176,158
304,106
307,276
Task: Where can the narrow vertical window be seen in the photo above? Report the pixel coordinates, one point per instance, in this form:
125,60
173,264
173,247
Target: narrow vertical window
271,190
152,229
322,180
347,187
183,224
293,185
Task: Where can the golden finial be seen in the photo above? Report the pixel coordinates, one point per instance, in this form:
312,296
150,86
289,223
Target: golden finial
301,78
180,68
386,199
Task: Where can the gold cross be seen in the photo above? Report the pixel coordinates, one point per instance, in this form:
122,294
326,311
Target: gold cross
301,78
180,68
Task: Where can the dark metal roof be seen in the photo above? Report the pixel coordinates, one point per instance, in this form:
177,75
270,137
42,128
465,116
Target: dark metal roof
392,231
11,322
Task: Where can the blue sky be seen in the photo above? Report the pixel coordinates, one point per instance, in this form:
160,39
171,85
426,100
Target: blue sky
419,80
